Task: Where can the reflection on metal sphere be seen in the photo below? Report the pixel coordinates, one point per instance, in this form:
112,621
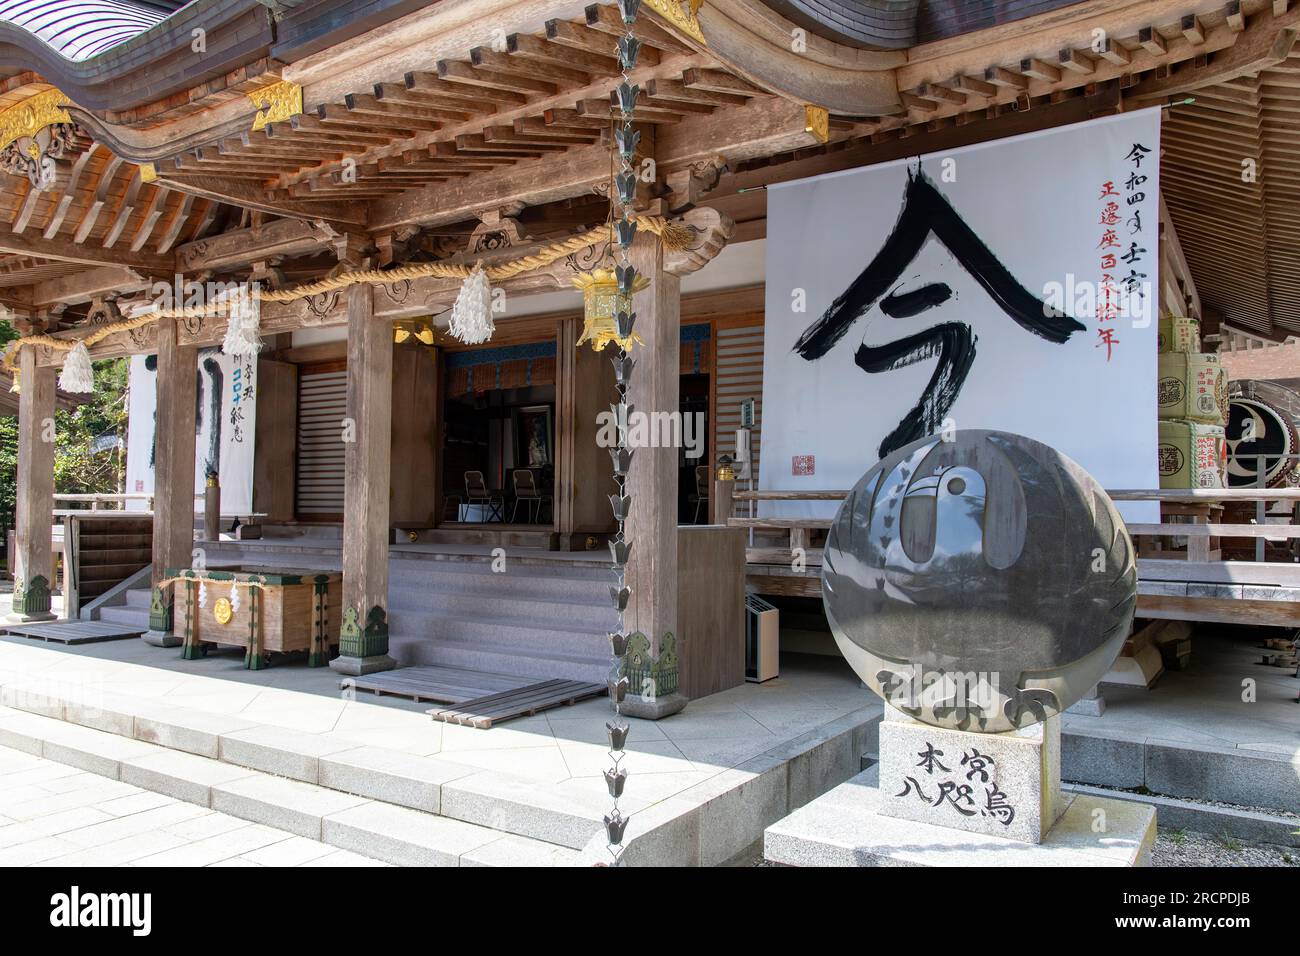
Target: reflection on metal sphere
983,583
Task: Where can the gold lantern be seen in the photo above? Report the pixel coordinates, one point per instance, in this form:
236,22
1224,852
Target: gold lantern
601,301
725,471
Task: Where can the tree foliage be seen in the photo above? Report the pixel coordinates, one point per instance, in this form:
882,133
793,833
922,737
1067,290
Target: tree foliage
78,469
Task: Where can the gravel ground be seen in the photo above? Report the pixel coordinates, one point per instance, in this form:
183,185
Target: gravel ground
1173,848
1185,848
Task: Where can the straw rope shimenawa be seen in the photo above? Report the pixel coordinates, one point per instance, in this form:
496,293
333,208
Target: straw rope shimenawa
672,235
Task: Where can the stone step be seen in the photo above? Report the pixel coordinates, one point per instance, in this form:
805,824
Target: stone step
507,611
134,616
543,637
458,575
339,815
499,659
139,597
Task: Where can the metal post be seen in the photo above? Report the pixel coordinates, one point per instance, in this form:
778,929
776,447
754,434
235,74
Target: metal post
1260,506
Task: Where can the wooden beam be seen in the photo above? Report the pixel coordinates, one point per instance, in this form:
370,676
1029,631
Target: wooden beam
63,251
84,286
1075,62
240,247
248,196
1109,50
1152,41
760,128
1268,42
1001,76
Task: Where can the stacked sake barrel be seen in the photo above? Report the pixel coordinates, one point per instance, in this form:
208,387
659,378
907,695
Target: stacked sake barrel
1192,397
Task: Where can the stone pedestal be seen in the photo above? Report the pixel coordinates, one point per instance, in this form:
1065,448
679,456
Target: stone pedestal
1005,785
953,798
1091,704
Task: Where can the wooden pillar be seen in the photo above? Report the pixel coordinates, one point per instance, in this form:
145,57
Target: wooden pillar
173,501
652,485
721,502
34,518
363,638
584,388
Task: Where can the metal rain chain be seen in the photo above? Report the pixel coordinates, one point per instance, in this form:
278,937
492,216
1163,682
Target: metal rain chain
626,139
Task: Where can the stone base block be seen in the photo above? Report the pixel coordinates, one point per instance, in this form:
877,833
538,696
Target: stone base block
845,828
1005,785
1088,707
35,617
356,666
161,639
663,706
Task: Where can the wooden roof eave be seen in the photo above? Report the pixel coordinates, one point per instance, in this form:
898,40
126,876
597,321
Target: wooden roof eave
753,41
154,65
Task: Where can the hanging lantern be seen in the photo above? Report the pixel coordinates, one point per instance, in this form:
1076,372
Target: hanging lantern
471,316
601,302
77,376
725,471
243,326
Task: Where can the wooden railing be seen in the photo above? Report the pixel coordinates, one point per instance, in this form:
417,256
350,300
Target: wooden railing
1188,532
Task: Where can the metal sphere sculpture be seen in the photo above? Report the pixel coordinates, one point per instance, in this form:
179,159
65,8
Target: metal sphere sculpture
980,583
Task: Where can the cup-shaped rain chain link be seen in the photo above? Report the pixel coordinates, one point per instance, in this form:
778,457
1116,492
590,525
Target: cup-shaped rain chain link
619,309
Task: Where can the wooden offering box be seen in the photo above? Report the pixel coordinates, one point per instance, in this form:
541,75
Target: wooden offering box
263,610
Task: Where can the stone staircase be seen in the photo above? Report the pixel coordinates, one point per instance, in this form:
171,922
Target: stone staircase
545,620
538,619
377,803
134,613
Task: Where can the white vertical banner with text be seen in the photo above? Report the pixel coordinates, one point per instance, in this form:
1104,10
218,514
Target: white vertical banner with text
225,420
1009,285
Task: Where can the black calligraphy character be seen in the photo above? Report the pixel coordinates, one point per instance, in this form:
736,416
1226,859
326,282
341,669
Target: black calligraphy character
1134,222
925,213
1137,154
1135,252
930,759
910,784
1134,181
1133,281
953,792
978,764
996,806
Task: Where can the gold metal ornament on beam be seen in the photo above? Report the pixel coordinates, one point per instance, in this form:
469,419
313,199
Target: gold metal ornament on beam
276,103
682,15
420,329
32,115
817,123
601,301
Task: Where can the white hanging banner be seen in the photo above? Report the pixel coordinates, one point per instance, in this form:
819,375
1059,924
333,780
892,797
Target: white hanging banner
225,419
1010,285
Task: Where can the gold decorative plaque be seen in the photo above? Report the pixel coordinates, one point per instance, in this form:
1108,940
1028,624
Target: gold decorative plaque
222,611
681,15
817,123
32,115
276,103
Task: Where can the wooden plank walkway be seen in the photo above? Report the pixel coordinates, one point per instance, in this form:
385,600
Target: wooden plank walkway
441,685
75,632
483,712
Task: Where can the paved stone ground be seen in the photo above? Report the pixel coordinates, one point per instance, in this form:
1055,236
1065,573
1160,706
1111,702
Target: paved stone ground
55,815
